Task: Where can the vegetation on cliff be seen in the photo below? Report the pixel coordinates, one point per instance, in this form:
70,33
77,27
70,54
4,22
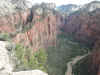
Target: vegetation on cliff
79,69
65,50
5,37
29,59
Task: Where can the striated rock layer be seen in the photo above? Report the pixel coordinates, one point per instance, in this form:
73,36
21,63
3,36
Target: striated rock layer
31,29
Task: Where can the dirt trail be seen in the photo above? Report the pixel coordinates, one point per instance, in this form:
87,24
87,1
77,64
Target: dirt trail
73,62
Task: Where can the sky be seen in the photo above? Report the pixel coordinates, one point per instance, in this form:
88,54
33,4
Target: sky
63,2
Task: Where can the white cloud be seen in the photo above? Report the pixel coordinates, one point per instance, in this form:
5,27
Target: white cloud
60,2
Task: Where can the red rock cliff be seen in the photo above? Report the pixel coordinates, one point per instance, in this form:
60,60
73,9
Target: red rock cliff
31,29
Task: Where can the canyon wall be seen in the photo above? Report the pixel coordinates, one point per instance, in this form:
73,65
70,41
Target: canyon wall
36,29
85,28
31,29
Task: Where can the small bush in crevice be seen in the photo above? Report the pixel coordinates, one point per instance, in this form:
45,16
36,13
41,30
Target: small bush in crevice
5,37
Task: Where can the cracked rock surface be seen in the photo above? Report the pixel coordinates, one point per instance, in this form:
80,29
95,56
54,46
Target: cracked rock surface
7,64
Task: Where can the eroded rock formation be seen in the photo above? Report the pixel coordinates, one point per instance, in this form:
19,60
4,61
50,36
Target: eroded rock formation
32,29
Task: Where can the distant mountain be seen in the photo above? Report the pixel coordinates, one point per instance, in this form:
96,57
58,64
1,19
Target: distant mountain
91,6
72,8
68,8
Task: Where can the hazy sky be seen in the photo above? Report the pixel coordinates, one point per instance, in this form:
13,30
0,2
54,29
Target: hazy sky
60,2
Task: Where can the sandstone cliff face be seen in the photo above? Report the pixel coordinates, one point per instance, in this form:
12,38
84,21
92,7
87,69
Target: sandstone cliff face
13,22
31,29
41,33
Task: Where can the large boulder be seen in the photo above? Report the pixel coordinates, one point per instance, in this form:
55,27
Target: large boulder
32,72
6,63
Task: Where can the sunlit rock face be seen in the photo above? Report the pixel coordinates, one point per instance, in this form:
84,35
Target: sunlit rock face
6,7
6,63
31,72
22,4
12,6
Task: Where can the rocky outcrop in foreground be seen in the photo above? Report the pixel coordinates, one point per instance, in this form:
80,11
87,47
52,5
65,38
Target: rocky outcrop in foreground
7,64
32,72
12,6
